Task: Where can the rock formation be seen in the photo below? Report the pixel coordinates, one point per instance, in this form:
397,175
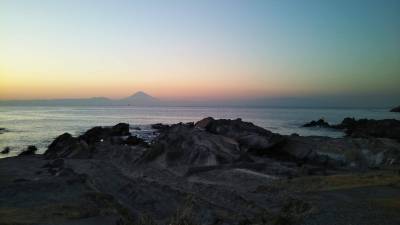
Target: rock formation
6,150
2,130
318,123
364,128
30,150
396,109
209,172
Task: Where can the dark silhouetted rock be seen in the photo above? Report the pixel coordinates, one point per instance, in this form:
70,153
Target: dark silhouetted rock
97,134
250,137
67,146
346,123
159,126
204,122
121,129
133,140
203,175
318,123
396,109
2,130
182,145
364,128
6,150
29,151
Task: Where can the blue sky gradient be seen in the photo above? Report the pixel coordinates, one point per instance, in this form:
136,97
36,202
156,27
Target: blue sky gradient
199,49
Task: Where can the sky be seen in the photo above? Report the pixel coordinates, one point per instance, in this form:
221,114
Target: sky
199,49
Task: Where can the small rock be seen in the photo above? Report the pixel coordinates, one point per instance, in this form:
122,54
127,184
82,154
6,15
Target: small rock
6,150
29,151
160,126
318,123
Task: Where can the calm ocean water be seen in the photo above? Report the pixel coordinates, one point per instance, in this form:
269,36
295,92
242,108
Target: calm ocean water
40,125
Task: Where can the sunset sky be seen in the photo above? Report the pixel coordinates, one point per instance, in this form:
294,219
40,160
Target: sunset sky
198,49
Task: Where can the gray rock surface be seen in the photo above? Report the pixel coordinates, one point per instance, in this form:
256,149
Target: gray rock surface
203,173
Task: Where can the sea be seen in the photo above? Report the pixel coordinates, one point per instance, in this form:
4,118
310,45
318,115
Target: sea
39,126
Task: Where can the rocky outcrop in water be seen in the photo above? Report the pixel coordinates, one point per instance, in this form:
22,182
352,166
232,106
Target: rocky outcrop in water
6,150
318,123
209,172
159,126
30,150
345,152
3,130
364,128
396,109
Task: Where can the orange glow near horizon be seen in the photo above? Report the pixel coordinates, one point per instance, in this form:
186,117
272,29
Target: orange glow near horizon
195,50
172,88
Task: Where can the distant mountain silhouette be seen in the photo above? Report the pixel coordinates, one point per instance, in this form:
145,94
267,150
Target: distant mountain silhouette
140,98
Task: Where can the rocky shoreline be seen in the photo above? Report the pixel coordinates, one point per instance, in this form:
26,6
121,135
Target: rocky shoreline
208,172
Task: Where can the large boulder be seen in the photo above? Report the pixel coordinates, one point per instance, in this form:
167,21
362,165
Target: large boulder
121,129
183,145
250,137
202,124
67,146
97,134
